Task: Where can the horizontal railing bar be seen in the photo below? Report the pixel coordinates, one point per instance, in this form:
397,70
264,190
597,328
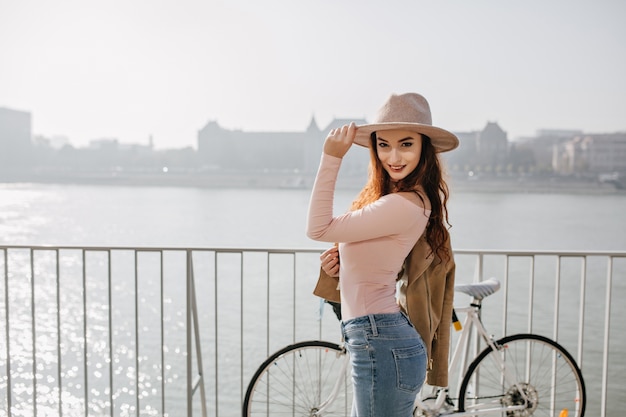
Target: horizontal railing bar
512,253
164,249
565,254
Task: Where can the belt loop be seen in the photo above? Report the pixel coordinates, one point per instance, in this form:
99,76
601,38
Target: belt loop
373,323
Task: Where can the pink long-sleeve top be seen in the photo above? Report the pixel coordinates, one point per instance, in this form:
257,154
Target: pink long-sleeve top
373,242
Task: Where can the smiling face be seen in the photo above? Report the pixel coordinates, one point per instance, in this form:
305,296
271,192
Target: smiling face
399,152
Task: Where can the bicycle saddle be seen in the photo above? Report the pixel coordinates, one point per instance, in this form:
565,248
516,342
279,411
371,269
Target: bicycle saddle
479,290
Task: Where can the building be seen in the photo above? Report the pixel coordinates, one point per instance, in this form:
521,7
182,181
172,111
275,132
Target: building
294,154
493,146
254,152
480,151
15,139
592,154
542,148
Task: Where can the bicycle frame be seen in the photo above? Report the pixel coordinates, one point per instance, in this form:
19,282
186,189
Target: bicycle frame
460,356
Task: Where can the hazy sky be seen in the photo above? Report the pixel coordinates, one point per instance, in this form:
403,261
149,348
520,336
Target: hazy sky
132,68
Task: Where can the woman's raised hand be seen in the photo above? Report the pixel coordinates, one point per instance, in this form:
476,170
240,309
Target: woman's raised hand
339,140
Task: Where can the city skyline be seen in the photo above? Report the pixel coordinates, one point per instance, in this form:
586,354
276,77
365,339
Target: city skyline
132,71
60,140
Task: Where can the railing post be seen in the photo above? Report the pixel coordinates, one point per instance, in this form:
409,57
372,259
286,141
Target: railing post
33,328
557,299
7,332
136,291
192,320
188,333
531,293
581,310
607,329
58,319
505,291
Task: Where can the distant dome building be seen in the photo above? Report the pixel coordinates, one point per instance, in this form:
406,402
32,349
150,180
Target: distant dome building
480,151
492,145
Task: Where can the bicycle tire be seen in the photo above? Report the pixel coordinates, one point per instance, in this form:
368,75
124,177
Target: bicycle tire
530,359
297,379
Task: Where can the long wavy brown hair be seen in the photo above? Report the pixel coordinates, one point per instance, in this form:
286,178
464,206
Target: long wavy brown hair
429,175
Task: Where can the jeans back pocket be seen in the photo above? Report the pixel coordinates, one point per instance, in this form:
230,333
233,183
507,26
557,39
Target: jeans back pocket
410,367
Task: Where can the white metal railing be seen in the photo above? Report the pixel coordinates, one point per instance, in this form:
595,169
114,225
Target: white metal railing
124,331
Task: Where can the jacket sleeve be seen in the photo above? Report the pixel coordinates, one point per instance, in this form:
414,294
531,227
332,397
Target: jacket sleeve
440,348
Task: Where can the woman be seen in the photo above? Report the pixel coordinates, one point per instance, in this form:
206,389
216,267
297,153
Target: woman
405,197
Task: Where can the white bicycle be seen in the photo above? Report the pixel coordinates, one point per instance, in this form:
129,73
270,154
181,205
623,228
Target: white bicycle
516,376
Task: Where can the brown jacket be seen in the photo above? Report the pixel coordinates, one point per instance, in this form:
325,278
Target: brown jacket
427,296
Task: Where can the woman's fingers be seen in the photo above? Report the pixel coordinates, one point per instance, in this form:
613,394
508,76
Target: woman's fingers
330,261
332,272
339,140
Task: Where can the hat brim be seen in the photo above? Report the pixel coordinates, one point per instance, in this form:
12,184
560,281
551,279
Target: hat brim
442,140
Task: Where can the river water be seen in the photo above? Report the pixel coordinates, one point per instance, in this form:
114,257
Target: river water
152,216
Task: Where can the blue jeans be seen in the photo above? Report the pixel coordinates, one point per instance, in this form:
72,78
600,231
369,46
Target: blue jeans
388,360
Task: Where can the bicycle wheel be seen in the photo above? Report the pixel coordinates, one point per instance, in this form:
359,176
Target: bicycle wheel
535,365
304,379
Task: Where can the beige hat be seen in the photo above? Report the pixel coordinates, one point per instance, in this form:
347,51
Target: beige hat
407,112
